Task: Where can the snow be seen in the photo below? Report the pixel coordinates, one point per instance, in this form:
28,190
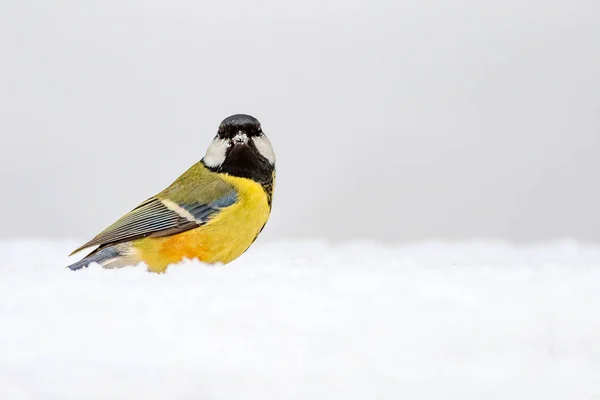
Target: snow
306,320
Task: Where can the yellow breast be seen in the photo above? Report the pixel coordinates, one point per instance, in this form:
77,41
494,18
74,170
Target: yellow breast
222,239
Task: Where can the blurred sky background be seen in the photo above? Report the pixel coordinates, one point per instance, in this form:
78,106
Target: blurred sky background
396,120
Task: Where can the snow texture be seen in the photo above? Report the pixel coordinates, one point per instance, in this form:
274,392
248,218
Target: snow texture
306,320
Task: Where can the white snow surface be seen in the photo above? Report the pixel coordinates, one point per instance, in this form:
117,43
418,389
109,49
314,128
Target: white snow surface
306,320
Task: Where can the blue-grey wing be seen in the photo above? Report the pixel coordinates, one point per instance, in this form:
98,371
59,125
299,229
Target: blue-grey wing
159,217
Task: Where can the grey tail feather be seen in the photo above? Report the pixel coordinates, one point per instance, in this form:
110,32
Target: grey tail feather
104,257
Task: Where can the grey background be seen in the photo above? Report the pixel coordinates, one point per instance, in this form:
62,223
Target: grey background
392,120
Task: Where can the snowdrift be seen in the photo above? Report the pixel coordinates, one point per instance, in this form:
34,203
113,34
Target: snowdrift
306,320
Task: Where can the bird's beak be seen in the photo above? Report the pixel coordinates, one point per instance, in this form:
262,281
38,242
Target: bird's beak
240,138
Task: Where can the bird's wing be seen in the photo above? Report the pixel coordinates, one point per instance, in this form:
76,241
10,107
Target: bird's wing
161,216
156,217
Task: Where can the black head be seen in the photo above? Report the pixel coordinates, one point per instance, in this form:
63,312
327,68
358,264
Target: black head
241,149
234,124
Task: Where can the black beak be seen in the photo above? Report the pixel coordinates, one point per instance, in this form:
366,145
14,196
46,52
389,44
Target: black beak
240,138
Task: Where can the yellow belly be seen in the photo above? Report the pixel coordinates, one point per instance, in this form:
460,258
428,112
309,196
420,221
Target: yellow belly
222,239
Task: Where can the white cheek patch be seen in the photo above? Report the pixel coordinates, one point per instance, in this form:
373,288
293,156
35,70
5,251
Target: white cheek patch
215,155
264,148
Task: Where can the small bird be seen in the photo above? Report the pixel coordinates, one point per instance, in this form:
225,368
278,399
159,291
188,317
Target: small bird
213,212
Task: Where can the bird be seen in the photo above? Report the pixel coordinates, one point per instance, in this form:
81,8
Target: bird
213,212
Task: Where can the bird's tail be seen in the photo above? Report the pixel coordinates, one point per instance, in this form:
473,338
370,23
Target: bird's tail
108,257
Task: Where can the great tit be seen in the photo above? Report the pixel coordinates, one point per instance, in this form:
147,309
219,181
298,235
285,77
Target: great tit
213,212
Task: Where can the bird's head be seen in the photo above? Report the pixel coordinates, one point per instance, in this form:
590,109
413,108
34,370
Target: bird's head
240,148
